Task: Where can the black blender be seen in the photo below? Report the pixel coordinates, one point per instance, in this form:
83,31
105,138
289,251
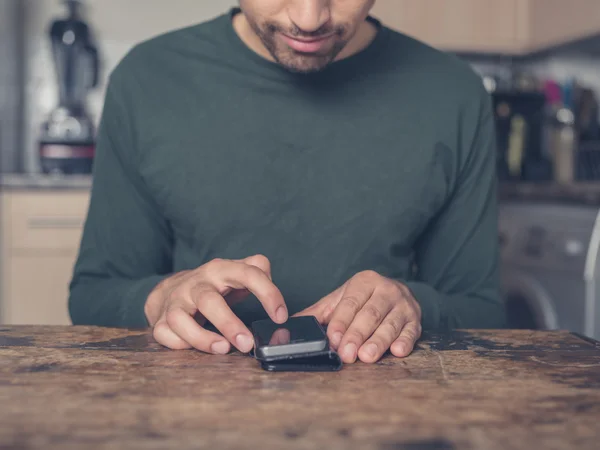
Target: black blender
67,141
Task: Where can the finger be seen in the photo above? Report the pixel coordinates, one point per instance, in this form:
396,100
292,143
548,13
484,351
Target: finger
324,308
353,299
215,309
404,345
165,336
235,275
366,321
236,296
381,340
260,261
184,326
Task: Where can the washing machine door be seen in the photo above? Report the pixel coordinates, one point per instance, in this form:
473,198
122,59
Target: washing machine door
528,304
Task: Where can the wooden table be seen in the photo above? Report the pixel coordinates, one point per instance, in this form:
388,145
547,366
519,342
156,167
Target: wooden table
78,388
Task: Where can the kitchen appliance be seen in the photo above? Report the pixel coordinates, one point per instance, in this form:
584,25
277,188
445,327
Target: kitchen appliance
67,141
550,266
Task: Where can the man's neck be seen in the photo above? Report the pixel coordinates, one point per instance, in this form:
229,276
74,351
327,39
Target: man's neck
364,36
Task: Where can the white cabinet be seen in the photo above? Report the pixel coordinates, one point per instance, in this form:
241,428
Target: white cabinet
41,231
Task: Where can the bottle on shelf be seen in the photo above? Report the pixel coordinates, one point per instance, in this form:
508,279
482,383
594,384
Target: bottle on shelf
560,136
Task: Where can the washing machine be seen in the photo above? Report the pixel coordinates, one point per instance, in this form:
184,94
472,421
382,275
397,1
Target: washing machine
550,266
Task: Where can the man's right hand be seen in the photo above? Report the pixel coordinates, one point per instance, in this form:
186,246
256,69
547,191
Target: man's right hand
179,306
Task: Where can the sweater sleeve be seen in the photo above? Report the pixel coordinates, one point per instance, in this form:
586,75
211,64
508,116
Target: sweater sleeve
126,246
457,256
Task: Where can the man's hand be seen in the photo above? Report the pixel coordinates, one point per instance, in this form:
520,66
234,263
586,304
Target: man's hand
179,306
368,315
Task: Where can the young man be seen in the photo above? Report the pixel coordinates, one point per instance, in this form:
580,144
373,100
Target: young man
292,157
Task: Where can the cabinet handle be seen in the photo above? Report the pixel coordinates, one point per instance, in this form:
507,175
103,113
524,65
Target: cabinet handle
55,222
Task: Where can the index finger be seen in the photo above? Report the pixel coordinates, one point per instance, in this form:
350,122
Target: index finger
237,275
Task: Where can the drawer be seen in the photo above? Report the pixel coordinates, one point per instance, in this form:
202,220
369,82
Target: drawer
44,220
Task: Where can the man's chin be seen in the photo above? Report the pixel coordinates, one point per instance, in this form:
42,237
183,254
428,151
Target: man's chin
303,63
303,68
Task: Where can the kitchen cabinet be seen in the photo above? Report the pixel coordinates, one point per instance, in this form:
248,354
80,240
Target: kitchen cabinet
40,236
492,26
37,289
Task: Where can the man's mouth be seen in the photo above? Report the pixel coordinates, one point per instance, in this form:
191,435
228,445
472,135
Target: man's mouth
312,45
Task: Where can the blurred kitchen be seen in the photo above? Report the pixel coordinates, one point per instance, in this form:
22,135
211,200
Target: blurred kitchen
539,59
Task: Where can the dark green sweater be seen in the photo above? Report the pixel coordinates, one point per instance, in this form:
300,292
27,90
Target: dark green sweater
382,161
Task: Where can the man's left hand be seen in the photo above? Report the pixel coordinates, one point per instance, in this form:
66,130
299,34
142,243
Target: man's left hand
368,315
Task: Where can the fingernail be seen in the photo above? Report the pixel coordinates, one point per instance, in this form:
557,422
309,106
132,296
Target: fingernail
371,350
401,348
244,343
350,351
281,314
220,347
336,338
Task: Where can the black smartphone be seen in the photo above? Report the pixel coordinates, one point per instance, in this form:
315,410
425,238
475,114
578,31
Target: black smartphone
298,336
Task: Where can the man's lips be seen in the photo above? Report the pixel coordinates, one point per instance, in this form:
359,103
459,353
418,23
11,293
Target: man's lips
307,45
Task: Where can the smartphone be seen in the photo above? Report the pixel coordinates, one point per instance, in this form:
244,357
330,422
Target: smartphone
298,336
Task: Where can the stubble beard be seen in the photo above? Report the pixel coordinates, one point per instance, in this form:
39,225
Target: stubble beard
292,60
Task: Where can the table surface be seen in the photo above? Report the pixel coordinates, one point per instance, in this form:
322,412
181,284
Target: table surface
80,387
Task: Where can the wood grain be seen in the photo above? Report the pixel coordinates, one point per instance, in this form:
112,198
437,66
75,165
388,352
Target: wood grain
79,388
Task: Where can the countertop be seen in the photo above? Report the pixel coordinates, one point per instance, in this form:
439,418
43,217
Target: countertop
85,387
48,182
587,194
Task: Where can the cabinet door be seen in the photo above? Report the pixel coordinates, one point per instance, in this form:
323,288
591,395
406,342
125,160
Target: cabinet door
554,22
40,235
45,221
37,288
455,25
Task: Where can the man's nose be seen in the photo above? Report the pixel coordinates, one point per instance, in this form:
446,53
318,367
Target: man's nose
310,15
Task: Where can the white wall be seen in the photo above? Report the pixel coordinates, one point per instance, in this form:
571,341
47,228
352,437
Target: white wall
117,25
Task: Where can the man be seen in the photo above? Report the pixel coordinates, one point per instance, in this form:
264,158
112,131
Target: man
291,157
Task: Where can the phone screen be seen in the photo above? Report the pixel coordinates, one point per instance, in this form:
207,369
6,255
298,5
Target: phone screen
294,333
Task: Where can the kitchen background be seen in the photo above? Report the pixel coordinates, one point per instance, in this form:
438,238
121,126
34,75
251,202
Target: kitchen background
539,59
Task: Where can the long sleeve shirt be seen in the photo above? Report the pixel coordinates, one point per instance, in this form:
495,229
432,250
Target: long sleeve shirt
383,161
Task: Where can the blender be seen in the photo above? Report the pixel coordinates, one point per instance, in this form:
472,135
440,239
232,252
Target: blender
67,141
